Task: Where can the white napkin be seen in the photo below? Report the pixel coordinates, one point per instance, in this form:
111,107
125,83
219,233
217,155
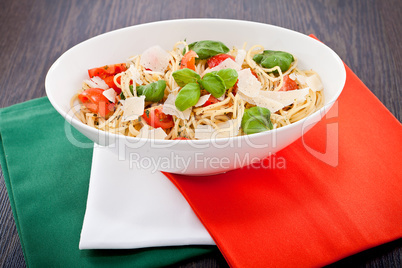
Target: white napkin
129,207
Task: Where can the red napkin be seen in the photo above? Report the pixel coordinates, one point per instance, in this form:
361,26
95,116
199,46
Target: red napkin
335,192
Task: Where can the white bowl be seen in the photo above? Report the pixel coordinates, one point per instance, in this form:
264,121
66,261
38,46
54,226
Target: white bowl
195,157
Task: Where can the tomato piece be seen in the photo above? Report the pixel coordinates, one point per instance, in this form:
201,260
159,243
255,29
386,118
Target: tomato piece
110,82
96,102
217,59
107,70
188,60
107,73
288,84
97,72
114,69
211,100
181,138
156,118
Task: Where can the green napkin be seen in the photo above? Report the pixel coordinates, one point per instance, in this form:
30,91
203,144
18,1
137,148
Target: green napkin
47,180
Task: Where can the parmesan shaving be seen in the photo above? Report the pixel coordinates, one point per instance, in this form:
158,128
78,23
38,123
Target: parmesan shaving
248,84
133,108
156,133
202,100
286,97
228,63
314,83
135,75
300,78
155,59
169,107
203,132
221,98
241,55
96,82
292,76
228,129
270,104
110,94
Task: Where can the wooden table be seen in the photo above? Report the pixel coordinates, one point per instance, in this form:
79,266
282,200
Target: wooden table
366,34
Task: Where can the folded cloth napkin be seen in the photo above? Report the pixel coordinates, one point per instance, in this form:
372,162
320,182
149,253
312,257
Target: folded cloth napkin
47,181
309,205
335,192
132,207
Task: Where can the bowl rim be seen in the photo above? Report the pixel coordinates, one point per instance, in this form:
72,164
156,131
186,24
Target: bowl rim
72,119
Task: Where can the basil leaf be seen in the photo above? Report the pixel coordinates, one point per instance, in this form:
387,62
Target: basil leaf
188,96
270,59
256,119
153,92
229,76
185,76
207,48
214,84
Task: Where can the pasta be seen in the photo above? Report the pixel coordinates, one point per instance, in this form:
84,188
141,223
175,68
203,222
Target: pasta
267,88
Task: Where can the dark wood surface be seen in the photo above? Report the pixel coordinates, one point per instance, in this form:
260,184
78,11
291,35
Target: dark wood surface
366,34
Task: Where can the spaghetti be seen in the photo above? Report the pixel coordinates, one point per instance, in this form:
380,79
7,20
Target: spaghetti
222,116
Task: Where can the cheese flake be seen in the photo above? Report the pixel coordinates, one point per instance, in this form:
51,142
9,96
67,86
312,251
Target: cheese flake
301,78
314,83
134,75
228,129
156,133
155,59
246,98
241,55
203,99
292,76
169,107
221,98
286,97
270,104
248,84
228,63
133,107
110,94
203,132
96,82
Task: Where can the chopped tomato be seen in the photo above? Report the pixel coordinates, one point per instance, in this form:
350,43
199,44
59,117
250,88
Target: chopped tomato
96,102
116,68
188,60
110,82
156,118
181,138
217,59
288,84
107,70
211,100
107,73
